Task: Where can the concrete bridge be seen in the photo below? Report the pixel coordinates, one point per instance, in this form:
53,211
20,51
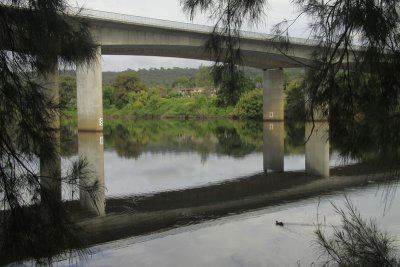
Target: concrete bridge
119,34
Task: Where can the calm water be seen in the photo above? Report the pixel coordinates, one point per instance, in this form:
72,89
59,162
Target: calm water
251,238
149,156
194,193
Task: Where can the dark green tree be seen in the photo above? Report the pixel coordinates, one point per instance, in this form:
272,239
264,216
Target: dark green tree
67,87
34,36
352,79
228,94
125,83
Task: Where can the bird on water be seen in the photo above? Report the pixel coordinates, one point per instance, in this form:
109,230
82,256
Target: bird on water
279,223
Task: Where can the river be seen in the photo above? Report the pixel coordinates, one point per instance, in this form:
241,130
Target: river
194,193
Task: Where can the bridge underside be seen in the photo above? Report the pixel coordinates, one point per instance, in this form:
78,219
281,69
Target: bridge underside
255,59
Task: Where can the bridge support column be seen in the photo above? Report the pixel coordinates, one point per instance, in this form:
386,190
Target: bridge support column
273,146
50,163
273,115
317,148
273,95
92,191
90,95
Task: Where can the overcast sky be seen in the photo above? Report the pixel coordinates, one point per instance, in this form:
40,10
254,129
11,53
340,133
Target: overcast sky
276,11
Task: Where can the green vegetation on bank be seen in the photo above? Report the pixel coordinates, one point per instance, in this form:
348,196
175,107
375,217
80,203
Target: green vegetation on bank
194,96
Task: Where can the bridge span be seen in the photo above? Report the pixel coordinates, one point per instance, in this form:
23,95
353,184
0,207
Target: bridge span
119,34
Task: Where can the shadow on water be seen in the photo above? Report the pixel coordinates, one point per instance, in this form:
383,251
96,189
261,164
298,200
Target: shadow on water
69,225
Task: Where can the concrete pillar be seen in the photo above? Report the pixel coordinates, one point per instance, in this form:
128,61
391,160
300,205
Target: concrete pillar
90,95
50,164
273,95
92,191
317,148
273,146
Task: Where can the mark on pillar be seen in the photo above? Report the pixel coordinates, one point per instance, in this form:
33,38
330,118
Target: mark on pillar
271,126
101,121
101,140
271,114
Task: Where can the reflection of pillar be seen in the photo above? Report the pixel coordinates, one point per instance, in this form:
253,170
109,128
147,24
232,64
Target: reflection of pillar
92,195
317,148
89,95
273,147
50,163
273,95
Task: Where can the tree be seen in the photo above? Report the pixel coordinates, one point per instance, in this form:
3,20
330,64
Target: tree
250,105
67,87
224,41
34,36
128,82
203,77
352,79
231,89
125,83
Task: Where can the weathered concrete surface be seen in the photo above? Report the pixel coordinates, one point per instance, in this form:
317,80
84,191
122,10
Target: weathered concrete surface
273,146
90,95
120,34
273,95
92,191
317,148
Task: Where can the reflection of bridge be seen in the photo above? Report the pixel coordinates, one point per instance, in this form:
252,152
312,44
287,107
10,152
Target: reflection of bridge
119,34
128,35
90,146
137,215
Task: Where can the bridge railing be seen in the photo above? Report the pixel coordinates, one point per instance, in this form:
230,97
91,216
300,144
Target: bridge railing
138,20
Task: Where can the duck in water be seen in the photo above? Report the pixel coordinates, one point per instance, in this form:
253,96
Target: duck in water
279,223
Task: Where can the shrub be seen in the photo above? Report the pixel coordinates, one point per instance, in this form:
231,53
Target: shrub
250,105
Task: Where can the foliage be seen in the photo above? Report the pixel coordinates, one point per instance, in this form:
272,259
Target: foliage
67,87
295,102
183,82
154,76
109,96
362,98
125,83
150,104
357,242
203,77
228,96
224,41
352,79
250,105
34,36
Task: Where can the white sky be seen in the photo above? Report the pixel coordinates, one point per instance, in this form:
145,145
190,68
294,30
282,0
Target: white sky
276,10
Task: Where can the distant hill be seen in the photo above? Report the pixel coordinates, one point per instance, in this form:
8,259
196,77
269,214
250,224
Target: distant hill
154,76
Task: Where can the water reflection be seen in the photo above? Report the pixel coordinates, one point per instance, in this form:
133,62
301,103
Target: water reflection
164,174
273,150
146,156
92,193
232,138
246,239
